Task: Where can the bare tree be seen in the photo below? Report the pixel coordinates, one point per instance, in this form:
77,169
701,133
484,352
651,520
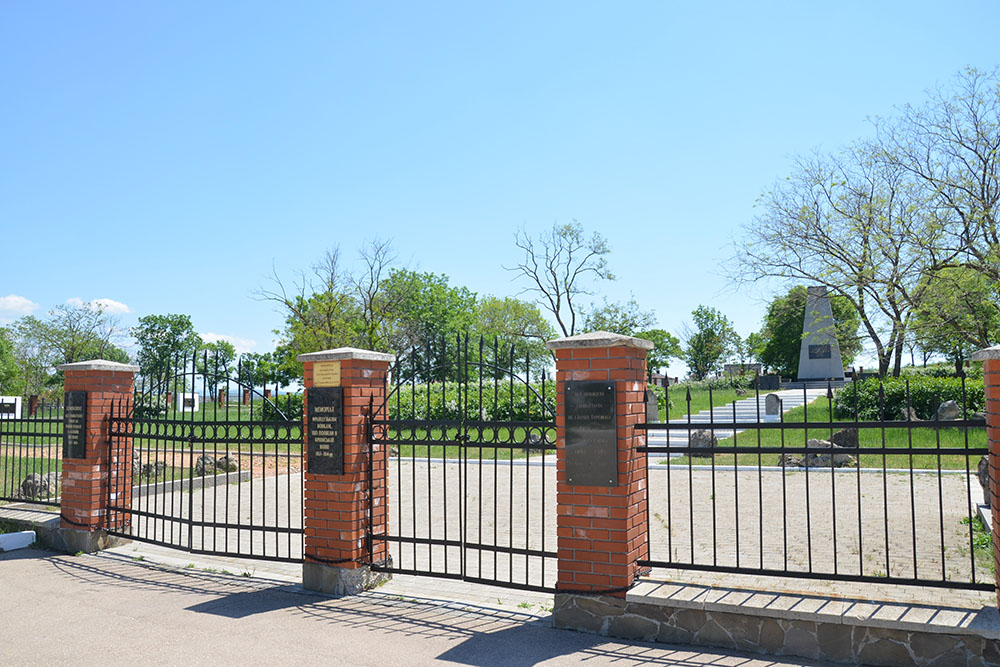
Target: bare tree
557,265
847,222
951,146
318,307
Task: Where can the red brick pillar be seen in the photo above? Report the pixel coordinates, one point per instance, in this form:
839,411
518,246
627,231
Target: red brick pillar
88,479
342,510
222,398
991,379
601,526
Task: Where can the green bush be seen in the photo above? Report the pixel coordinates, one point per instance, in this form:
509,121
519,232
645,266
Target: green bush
289,404
941,371
452,400
925,394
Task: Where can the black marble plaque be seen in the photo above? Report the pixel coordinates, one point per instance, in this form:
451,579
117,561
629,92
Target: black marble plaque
591,433
75,425
8,408
325,435
189,403
819,351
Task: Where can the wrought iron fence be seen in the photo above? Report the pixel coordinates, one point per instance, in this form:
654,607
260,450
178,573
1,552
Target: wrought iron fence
471,475
872,481
31,452
209,476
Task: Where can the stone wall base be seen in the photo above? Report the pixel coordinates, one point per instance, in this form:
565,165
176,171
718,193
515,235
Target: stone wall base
819,640
340,580
72,540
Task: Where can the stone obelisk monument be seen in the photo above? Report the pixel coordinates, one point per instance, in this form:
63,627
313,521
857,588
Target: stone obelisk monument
819,358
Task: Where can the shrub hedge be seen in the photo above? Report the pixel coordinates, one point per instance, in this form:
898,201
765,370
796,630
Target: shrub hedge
925,394
449,401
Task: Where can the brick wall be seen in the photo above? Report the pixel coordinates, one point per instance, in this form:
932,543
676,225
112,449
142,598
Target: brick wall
601,529
336,507
85,482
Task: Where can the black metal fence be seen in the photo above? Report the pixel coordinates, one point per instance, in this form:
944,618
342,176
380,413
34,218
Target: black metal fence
31,452
471,474
873,481
209,476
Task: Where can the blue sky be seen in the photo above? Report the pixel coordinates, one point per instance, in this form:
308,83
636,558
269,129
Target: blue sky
163,157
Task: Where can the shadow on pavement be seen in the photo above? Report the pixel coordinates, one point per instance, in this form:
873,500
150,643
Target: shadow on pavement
479,635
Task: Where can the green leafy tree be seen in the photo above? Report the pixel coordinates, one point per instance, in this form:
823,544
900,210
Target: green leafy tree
709,343
67,335
557,266
625,318
782,332
164,342
215,362
260,369
666,346
521,328
957,314
11,382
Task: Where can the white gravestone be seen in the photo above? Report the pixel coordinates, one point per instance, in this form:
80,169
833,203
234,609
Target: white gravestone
819,356
10,407
188,403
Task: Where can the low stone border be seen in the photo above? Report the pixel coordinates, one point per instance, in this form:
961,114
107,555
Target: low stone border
807,626
206,481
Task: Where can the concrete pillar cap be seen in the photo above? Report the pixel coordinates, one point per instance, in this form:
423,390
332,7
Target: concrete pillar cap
599,339
98,365
988,353
343,353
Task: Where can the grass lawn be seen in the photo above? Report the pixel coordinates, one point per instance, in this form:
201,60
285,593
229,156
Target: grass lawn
948,440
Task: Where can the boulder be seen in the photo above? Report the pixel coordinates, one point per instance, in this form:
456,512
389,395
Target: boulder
909,415
34,486
205,465
393,450
136,463
948,411
846,437
228,463
702,438
824,460
741,392
978,417
52,482
790,461
533,442
983,473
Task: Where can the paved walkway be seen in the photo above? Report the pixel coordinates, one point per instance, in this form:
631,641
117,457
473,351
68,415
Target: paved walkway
750,409
110,609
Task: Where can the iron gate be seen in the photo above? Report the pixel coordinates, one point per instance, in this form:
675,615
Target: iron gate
216,463
471,474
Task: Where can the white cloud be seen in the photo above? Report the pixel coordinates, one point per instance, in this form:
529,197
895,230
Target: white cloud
109,306
13,306
241,344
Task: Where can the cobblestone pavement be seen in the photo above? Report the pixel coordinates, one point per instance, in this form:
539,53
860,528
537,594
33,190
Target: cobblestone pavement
848,522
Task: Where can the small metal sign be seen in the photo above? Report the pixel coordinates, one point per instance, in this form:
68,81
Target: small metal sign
591,433
326,374
819,351
325,432
75,425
